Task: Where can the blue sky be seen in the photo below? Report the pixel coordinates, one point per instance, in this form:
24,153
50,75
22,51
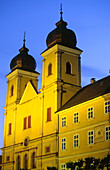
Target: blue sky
89,19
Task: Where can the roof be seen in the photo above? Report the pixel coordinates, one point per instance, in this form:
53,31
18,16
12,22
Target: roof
89,92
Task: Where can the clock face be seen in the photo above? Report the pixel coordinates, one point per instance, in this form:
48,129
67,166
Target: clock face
99,134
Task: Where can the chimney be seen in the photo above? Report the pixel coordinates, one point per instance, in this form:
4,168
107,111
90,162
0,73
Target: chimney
92,80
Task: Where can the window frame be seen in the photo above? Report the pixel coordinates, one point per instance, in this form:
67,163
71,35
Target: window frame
64,122
18,162
68,68
10,129
77,139
8,158
90,112
107,107
89,137
47,149
75,117
49,111
25,123
33,160
24,160
50,69
63,168
63,143
29,121
12,91
107,132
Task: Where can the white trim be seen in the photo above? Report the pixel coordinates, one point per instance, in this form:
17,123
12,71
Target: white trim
90,111
61,121
105,133
63,164
88,137
73,117
65,144
78,141
104,107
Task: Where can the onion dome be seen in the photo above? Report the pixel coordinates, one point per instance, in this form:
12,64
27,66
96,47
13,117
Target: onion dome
61,35
23,60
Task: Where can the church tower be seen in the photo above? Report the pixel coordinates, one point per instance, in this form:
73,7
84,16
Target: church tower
61,63
61,79
22,71
31,123
61,75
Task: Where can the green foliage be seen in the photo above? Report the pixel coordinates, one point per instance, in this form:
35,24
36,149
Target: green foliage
90,163
52,168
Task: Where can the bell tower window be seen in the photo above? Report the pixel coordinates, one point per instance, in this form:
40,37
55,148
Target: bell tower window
12,89
49,69
68,68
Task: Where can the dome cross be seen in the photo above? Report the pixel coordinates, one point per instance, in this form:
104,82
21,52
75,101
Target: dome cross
61,18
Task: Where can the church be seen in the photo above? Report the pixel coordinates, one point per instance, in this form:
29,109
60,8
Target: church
62,121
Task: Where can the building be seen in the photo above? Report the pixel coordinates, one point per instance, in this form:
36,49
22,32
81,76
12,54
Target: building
61,122
0,162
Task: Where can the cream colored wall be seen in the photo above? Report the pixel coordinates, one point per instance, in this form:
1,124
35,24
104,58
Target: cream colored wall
100,120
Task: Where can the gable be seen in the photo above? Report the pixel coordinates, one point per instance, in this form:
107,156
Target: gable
29,93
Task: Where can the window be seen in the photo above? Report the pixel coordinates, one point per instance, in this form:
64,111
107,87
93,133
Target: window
63,143
29,121
47,149
8,158
49,69
108,133
68,68
33,160
63,166
90,112
107,106
76,141
76,117
25,122
49,114
25,161
90,137
18,162
10,126
12,89
63,121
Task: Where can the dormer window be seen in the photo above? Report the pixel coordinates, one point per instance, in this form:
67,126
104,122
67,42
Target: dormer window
49,69
12,89
68,68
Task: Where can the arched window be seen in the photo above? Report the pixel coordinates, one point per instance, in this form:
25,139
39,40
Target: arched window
49,69
68,68
33,160
18,162
25,161
12,88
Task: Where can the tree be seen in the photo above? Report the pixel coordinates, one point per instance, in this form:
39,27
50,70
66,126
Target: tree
88,163
106,161
91,163
52,168
80,164
71,165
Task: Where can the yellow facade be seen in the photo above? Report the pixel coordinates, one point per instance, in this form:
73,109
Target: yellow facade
33,130
100,146
26,101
